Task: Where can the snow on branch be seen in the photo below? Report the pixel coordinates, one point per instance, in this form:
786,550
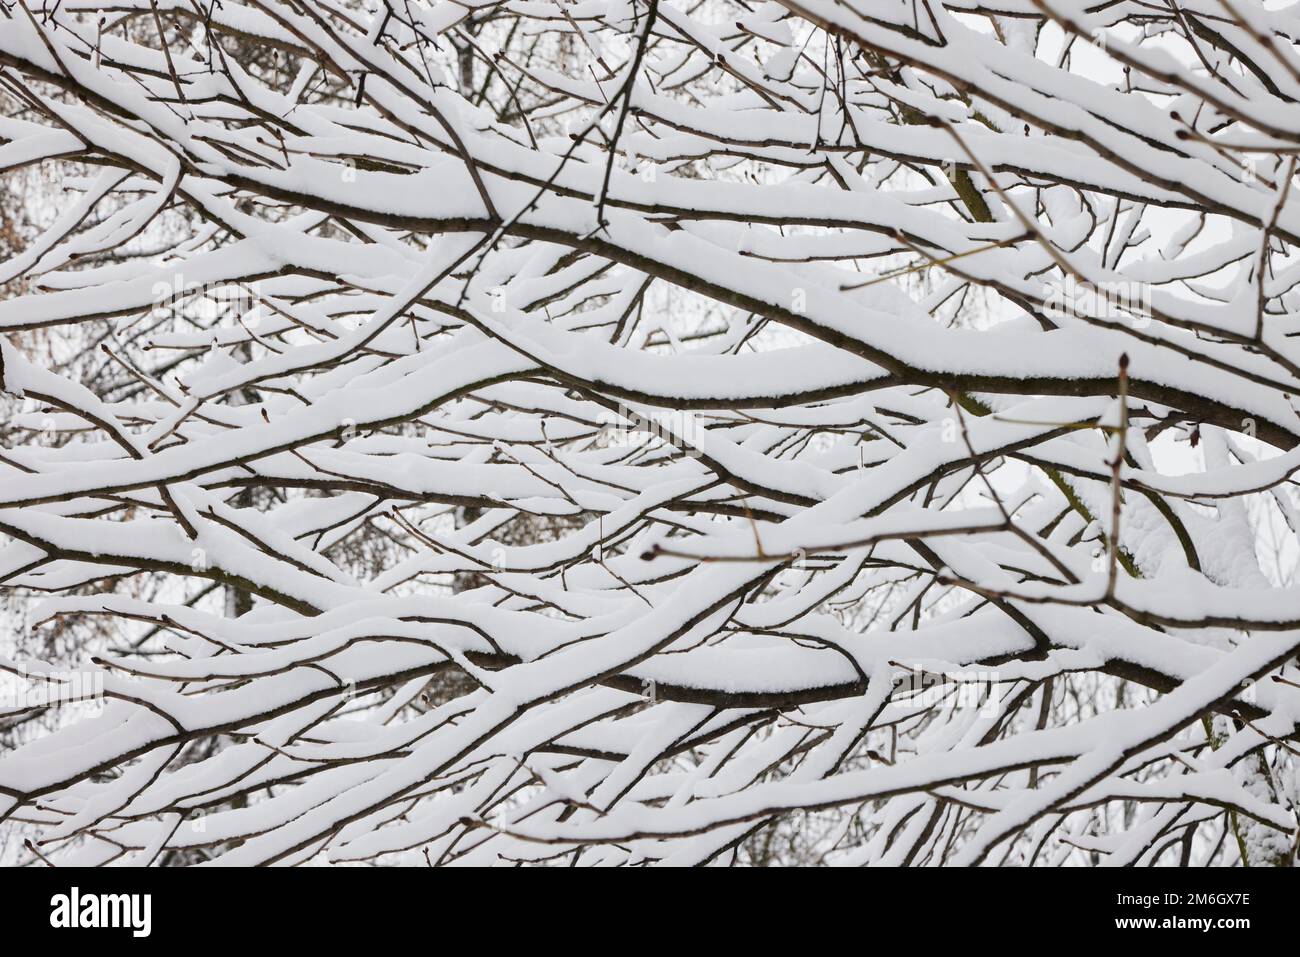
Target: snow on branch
625,432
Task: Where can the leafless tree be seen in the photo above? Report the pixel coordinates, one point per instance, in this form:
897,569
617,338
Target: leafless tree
632,432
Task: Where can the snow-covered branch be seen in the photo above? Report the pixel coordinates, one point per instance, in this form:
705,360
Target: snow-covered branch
639,431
